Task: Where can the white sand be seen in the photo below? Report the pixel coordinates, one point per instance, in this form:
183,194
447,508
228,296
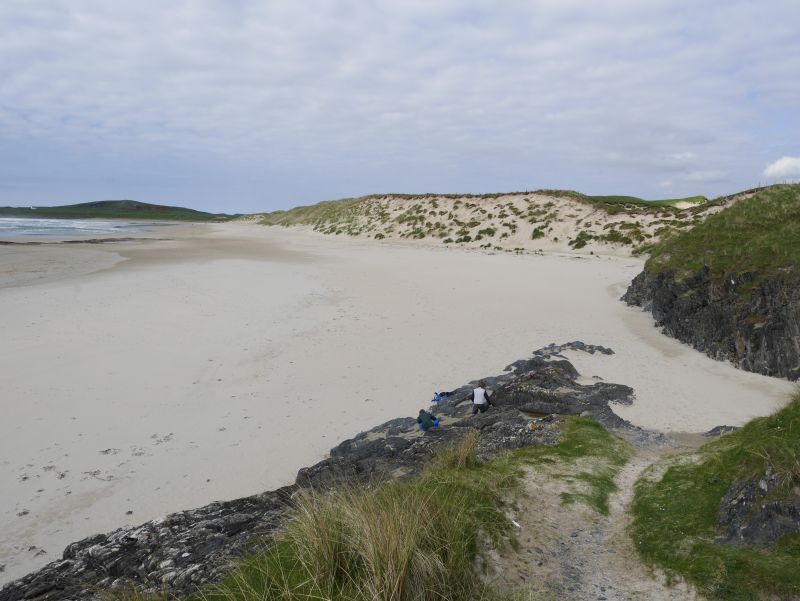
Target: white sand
216,365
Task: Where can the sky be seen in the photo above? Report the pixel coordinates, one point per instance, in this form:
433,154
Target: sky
249,106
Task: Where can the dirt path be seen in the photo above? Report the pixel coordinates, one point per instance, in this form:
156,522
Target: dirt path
571,552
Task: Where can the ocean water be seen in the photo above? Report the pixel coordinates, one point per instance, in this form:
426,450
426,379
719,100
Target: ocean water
17,226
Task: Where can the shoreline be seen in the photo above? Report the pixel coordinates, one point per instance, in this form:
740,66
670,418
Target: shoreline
215,364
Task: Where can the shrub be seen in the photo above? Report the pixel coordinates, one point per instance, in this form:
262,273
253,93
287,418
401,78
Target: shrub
581,240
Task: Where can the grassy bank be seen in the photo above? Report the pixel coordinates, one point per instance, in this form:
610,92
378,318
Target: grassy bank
414,540
758,234
615,204
674,523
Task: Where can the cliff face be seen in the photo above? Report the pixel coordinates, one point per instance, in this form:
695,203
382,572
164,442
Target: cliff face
754,323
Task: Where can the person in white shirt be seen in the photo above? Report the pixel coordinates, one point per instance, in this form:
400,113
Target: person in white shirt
480,398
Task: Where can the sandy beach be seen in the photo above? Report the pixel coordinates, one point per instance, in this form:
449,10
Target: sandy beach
145,377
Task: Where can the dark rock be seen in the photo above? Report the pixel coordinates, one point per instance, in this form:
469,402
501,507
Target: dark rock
754,323
757,513
196,547
720,430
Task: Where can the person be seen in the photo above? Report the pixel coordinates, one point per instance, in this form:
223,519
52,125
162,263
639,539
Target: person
438,397
480,398
427,420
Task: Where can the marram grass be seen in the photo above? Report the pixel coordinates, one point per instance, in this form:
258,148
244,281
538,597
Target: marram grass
407,541
392,542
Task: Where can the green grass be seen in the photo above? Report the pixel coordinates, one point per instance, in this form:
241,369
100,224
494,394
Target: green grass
581,240
114,209
615,204
327,211
413,540
397,541
675,516
633,200
537,233
585,443
760,235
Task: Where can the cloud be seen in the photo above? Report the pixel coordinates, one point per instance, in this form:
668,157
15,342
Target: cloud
307,100
710,176
784,168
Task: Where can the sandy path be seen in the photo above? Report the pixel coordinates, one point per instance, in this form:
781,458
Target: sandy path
215,365
571,552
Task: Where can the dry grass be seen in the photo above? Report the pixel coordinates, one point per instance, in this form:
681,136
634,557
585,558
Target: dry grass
412,541
462,454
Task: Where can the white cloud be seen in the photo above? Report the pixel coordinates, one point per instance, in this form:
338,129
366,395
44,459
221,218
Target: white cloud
784,168
405,95
710,176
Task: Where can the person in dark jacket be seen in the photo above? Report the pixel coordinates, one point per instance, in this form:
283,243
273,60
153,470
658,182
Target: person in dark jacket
427,420
480,398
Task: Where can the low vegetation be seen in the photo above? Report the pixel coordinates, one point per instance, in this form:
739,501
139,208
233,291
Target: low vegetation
674,524
113,209
415,540
760,234
397,541
597,455
511,221
634,201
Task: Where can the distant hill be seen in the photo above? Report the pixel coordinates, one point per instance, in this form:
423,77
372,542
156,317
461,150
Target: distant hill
114,209
543,219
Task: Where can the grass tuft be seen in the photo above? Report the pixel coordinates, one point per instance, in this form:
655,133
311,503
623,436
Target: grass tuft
395,542
460,455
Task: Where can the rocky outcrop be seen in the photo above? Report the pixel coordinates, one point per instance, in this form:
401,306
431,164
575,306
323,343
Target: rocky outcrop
757,513
180,551
752,322
720,431
185,550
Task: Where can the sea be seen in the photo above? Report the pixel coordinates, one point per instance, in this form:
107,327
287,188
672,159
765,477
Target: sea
18,226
